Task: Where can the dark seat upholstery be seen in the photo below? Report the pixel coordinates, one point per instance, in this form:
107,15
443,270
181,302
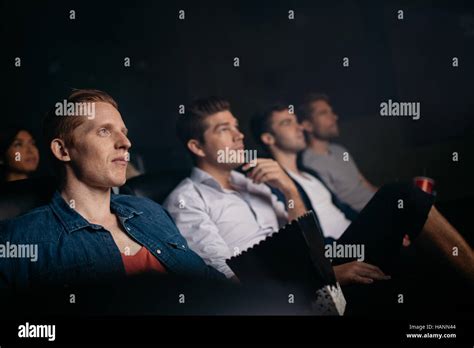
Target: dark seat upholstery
156,186
18,197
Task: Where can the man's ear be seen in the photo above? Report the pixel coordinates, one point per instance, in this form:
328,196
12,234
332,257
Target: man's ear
267,139
59,150
195,147
307,126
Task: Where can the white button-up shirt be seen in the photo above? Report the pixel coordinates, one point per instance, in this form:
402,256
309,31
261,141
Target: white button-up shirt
220,223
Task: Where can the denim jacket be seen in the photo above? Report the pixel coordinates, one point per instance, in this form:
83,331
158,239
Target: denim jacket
70,249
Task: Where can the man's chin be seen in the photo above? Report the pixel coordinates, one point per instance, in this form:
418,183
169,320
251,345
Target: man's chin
328,137
121,183
117,182
299,147
233,166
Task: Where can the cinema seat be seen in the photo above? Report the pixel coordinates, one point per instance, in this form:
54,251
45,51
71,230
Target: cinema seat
18,197
156,186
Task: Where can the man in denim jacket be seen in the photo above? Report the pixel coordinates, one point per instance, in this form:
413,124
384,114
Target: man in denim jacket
85,233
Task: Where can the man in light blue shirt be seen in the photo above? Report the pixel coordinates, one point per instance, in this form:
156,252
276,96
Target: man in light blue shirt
206,212
220,211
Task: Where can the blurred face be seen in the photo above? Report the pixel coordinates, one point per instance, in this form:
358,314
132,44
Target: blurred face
222,132
99,153
287,132
323,121
22,156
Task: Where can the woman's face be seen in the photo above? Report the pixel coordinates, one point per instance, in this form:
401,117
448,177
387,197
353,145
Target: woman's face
22,156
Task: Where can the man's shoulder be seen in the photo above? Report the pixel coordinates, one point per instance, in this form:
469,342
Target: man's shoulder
186,185
37,225
313,160
337,148
186,190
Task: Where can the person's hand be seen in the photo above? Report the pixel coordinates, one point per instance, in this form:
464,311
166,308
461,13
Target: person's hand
357,272
268,171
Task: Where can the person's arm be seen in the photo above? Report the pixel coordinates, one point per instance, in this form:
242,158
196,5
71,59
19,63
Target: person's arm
5,273
367,184
269,172
200,231
295,204
357,272
9,276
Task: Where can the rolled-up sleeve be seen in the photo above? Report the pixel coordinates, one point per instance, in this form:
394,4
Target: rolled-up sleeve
189,213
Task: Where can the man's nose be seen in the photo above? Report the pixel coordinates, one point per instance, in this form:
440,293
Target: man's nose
123,142
238,135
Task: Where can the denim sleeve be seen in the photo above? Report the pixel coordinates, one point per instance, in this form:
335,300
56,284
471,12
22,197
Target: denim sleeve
6,267
209,272
201,233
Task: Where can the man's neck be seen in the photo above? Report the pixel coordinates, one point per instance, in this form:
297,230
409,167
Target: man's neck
222,176
318,146
90,202
288,160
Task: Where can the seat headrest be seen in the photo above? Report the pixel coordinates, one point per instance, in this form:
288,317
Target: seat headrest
18,197
156,186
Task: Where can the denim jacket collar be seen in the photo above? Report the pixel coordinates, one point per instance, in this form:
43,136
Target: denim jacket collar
73,221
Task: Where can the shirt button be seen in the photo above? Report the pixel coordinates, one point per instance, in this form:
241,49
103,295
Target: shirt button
183,246
128,228
158,251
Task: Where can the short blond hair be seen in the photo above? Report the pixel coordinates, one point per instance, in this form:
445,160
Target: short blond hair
63,127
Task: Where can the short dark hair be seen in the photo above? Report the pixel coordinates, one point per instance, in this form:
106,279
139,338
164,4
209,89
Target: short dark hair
191,125
261,121
306,109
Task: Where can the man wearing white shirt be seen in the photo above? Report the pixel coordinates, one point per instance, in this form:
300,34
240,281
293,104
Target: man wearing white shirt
220,211
380,226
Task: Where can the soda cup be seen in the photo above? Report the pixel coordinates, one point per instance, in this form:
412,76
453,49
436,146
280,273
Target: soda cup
424,183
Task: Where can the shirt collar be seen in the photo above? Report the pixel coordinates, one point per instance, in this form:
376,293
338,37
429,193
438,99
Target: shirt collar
73,221
239,181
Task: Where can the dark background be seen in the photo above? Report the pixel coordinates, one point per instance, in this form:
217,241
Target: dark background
174,61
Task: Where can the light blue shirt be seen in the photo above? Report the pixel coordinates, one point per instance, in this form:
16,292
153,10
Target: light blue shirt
220,223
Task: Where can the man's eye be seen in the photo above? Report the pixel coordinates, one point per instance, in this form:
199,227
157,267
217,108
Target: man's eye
104,132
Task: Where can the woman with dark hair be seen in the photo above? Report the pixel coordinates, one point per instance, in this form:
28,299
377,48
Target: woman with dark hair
19,156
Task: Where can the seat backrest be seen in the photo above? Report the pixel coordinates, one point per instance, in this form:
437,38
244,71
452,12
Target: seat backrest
156,186
18,197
